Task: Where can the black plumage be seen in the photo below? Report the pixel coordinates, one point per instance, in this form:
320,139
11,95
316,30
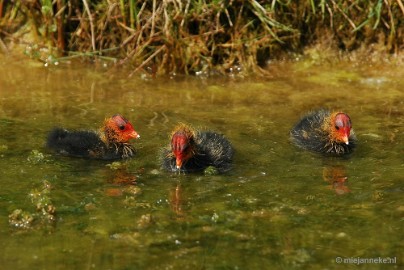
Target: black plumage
318,132
209,149
110,143
86,144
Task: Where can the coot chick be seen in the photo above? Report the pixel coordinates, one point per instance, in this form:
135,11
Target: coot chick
110,143
192,151
325,132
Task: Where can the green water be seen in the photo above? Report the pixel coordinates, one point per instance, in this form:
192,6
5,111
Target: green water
279,208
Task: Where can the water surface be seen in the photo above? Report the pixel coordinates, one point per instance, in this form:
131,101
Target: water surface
279,208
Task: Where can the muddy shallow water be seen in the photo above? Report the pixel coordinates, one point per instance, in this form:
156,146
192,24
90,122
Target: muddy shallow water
279,208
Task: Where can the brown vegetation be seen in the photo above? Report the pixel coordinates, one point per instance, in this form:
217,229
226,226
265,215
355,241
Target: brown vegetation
184,36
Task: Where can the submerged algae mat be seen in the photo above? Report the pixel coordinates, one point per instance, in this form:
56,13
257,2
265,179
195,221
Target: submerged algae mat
280,208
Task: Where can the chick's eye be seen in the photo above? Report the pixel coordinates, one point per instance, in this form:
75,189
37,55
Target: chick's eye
121,127
339,124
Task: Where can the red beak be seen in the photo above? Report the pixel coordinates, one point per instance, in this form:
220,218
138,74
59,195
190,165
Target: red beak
133,135
178,163
345,134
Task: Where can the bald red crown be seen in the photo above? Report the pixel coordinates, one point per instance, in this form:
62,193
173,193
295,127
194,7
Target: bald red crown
342,127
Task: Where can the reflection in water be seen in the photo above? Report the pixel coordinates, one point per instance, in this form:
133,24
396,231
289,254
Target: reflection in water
130,215
176,200
337,177
156,116
121,179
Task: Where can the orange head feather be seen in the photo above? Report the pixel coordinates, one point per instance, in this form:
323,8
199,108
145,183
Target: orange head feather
118,129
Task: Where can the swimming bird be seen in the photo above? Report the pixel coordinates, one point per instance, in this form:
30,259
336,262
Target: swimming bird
191,150
111,142
324,131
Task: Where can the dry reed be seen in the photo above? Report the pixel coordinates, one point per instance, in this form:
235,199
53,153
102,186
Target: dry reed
198,36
